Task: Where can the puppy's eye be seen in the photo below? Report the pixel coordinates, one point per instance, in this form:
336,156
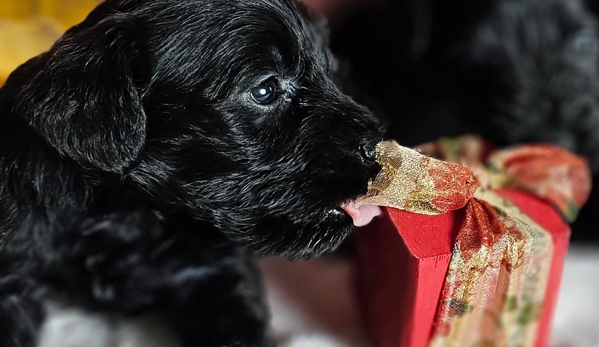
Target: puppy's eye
266,92
584,44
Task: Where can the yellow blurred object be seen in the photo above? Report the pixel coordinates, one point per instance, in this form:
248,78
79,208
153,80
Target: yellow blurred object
30,27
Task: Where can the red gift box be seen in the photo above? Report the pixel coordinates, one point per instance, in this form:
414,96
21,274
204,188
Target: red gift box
403,260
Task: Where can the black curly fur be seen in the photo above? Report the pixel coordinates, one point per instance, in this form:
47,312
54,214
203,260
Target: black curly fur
137,174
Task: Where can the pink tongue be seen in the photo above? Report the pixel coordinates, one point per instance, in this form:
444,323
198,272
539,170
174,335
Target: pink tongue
361,214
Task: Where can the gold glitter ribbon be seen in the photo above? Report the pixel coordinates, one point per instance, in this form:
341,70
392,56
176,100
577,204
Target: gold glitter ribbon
496,281
413,182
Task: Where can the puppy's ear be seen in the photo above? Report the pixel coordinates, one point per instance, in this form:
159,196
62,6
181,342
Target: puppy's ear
82,96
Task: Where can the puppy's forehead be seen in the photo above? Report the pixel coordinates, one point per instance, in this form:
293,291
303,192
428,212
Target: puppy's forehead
242,38
281,31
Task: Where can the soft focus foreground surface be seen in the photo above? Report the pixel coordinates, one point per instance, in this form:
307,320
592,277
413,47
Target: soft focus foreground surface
29,27
313,306
577,314
313,302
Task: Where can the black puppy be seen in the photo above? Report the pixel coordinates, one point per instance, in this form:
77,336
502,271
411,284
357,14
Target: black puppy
153,149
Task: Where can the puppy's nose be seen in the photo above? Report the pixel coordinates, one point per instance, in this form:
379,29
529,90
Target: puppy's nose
368,149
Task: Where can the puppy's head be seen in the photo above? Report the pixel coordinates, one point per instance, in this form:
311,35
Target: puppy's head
225,108
536,74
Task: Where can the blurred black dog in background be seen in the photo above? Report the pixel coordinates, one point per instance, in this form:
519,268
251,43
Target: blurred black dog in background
532,75
512,70
152,150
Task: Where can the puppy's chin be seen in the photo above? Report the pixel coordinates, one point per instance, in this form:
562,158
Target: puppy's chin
324,236
300,234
